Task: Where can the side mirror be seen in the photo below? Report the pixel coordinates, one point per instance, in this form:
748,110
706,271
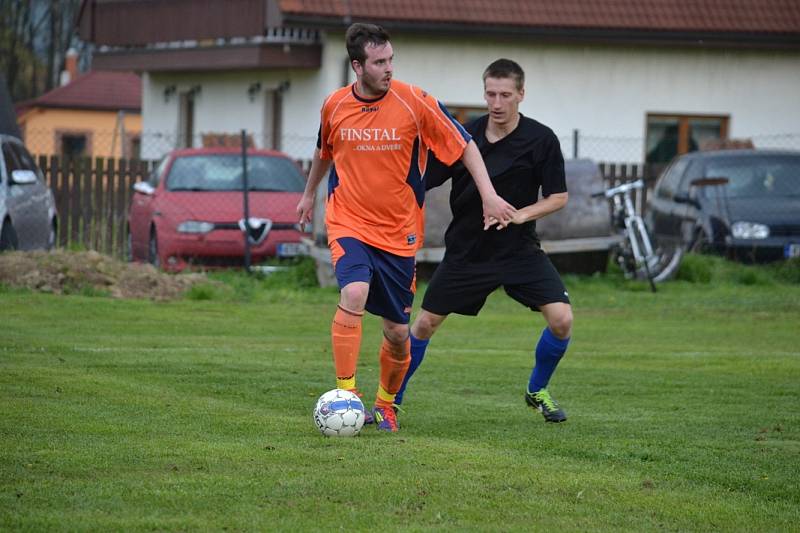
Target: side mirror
699,184
683,198
23,177
143,187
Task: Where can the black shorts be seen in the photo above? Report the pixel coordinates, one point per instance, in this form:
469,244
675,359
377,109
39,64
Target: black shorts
463,288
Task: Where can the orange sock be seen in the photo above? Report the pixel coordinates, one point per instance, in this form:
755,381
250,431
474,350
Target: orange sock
394,359
346,340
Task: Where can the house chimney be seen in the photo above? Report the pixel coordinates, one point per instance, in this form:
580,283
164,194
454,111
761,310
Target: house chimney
70,71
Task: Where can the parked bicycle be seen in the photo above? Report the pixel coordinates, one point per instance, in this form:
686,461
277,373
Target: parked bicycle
638,254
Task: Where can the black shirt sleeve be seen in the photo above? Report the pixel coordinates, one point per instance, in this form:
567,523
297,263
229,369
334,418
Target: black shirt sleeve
436,173
553,177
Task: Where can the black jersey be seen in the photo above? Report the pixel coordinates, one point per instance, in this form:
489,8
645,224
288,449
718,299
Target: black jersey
520,164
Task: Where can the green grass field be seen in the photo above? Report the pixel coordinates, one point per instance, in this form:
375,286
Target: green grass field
684,414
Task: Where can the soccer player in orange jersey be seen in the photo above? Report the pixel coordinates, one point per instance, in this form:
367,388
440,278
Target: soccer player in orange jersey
374,141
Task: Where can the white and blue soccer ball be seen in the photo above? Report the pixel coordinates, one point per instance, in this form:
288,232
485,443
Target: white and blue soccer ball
339,413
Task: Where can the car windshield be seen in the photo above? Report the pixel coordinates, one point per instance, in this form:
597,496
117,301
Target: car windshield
221,172
766,175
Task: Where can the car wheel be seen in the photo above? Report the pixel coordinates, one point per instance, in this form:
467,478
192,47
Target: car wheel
8,237
51,237
700,244
128,246
152,250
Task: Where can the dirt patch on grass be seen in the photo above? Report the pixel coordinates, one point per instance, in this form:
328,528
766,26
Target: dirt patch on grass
63,272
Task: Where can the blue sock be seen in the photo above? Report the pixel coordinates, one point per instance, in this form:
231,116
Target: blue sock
418,347
549,352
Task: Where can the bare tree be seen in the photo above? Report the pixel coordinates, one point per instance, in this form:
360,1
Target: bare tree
34,37
63,36
15,18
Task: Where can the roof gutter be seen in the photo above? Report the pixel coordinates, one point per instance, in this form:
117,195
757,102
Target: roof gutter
33,104
565,35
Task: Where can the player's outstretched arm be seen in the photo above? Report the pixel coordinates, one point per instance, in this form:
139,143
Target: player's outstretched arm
495,209
319,167
542,208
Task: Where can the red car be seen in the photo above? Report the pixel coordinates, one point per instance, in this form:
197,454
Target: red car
191,209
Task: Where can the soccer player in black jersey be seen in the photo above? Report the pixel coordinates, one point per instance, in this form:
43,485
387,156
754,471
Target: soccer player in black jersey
523,157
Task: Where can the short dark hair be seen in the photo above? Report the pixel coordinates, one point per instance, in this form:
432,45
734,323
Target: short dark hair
506,68
359,35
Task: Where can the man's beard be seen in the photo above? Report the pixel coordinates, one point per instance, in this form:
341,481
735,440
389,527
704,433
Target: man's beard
374,87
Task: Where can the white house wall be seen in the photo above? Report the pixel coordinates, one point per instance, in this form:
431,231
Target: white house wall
223,104
605,92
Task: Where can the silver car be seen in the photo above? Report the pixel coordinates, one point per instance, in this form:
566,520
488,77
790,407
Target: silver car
28,218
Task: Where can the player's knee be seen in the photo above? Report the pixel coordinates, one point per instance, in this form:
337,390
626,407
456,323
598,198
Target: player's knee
561,323
396,333
354,296
422,329
426,325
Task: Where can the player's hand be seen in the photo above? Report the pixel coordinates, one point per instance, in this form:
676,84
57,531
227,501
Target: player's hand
518,218
497,211
305,209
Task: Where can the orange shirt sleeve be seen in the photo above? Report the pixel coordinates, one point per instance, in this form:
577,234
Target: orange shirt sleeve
324,144
439,130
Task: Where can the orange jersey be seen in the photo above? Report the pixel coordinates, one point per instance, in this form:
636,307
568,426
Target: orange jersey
379,149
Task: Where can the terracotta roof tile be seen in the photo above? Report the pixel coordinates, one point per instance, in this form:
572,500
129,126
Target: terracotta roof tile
106,90
748,16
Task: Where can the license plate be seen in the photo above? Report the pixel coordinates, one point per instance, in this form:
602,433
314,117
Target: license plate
289,249
791,250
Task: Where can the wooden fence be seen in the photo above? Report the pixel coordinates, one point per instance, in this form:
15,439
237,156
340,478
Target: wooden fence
93,196
614,174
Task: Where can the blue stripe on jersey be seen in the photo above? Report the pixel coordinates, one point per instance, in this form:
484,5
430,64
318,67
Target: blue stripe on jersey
333,180
415,179
467,137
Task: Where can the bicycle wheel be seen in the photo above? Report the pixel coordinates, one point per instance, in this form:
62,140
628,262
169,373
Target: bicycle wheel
622,256
666,259
659,266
